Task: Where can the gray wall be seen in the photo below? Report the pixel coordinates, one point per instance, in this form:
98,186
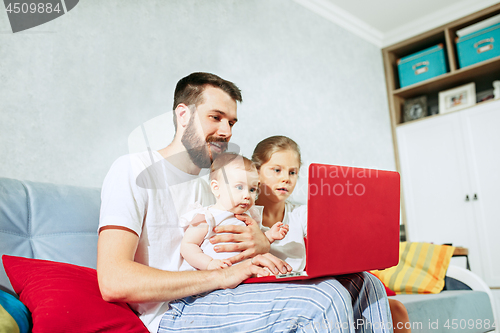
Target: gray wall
74,89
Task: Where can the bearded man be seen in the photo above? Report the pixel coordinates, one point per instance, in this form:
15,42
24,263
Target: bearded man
139,259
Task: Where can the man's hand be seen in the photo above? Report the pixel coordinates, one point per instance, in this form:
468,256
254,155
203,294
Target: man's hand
260,265
274,264
249,240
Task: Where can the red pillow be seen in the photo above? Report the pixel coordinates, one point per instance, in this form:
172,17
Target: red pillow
66,298
389,292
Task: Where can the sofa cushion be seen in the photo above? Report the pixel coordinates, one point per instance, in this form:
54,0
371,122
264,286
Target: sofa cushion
421,268
48,221
14,316
66,298
449,311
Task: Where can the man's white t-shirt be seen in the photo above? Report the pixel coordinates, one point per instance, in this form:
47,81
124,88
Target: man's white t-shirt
147,194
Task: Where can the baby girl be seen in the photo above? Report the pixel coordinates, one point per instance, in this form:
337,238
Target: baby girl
234,181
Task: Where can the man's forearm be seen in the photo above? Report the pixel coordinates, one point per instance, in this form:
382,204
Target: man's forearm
132,282
122,279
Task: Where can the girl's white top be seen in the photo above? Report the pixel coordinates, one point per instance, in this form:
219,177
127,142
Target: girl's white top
292,248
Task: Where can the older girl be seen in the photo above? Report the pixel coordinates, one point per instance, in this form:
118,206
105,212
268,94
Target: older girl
278,161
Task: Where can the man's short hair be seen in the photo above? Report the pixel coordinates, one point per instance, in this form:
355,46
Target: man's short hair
225,159
189,90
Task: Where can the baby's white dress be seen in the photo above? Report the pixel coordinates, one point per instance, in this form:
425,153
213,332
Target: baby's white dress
216,217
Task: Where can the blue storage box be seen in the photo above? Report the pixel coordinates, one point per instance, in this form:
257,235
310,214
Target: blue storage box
421,66
479,46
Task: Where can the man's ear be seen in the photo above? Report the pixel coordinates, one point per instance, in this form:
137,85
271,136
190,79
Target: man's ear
183,115
214,186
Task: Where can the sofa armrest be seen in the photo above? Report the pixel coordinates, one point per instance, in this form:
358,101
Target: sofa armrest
469,278
475,283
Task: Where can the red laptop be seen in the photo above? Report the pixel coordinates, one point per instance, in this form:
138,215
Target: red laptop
352,223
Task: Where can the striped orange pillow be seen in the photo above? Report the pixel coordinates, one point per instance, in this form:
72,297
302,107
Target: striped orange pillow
421,268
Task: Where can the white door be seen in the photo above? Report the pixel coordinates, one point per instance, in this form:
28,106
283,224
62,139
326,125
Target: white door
482,125
435,184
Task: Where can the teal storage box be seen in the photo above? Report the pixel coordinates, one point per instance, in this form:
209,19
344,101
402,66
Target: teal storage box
479,46
421,66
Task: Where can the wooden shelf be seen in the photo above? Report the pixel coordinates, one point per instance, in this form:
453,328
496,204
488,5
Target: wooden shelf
445,114
452,79
482,74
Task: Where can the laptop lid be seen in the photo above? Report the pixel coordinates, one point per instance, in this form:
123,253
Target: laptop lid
353,222
353,219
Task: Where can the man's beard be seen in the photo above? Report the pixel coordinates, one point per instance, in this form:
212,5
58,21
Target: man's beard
198,149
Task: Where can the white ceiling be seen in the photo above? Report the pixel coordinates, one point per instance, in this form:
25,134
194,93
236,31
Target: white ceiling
385,22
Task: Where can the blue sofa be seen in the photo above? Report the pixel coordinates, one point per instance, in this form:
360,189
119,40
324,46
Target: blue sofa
48,221
452,310
59,223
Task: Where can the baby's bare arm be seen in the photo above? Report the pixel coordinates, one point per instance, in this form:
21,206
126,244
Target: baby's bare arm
219,264
277,232
190,246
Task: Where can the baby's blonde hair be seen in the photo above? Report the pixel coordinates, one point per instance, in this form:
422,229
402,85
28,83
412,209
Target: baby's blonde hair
226,158
267,147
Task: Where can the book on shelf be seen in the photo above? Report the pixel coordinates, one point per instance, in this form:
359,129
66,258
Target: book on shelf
478,26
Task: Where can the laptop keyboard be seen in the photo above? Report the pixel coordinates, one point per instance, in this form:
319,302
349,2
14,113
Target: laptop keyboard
291,274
